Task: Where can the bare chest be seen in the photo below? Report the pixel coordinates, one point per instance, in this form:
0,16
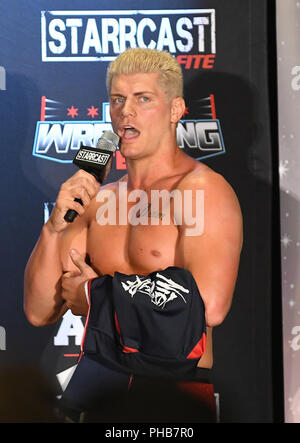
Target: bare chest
133,245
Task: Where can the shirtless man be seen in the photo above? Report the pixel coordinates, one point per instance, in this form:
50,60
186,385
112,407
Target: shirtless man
146,103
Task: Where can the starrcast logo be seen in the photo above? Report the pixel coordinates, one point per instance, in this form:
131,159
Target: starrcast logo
58,139
97,36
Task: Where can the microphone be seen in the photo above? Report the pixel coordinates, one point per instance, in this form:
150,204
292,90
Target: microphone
94,161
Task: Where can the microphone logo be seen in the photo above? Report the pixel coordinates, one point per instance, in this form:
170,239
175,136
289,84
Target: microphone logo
91,156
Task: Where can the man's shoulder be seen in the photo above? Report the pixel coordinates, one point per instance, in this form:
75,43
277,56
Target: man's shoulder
222,211
218,192
201,176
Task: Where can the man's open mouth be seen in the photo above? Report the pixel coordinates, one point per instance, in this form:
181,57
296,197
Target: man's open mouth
127,132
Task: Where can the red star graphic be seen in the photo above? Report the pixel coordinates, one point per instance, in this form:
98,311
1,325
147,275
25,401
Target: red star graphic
185,112
93,111
72,111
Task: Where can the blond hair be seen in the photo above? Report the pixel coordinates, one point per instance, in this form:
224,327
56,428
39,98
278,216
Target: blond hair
138,60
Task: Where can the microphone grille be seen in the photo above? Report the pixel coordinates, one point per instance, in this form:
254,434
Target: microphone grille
108,141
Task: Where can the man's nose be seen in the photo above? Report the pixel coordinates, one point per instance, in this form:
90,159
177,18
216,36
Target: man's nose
128,108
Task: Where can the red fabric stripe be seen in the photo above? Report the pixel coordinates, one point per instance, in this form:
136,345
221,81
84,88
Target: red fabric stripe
87,319
199,349
130,382
117,324
126,349
203,392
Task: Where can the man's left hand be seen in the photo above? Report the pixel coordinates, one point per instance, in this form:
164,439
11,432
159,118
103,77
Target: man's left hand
72,284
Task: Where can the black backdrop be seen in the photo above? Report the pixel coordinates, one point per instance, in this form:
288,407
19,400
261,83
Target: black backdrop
240,86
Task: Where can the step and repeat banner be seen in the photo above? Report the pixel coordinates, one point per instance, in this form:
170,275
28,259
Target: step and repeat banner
53,60
288,41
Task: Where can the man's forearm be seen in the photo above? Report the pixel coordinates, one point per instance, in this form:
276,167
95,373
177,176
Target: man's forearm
43,303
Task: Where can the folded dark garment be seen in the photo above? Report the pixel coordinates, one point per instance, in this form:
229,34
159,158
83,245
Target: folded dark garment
150,325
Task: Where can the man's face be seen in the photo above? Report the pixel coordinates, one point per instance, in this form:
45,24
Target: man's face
140,113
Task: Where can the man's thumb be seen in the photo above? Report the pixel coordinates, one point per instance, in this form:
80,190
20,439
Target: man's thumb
77,259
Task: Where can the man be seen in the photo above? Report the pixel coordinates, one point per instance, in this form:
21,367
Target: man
145,89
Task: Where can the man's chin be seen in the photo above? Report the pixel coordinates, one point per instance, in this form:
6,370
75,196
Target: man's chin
132,156
129,152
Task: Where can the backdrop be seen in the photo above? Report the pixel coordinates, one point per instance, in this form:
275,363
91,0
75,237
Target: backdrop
53,57
288,40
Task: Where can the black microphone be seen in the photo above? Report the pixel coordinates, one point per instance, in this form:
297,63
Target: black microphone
94,161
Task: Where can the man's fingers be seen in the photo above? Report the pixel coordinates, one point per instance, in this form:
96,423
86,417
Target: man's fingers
78,260
86,271
71,274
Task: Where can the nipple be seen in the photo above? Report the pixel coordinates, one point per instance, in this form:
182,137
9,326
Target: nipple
155,253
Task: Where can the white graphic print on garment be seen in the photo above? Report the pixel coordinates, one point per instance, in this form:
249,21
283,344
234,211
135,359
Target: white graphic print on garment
161,291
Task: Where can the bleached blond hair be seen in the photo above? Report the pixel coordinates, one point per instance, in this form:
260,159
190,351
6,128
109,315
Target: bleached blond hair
138,60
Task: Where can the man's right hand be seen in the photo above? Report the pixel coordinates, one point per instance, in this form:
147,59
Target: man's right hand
81,185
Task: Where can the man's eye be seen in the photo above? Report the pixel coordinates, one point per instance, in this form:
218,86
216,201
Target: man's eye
117,100
144,99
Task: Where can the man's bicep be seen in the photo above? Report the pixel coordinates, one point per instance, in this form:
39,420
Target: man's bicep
214,266
213,256
75,237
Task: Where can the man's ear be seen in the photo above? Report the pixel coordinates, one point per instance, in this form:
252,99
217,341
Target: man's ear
177,109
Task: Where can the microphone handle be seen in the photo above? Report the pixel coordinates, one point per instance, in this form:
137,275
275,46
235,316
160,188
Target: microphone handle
100,175
71,214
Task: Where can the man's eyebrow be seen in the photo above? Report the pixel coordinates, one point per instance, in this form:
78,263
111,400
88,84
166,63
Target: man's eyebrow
116,94
143,92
